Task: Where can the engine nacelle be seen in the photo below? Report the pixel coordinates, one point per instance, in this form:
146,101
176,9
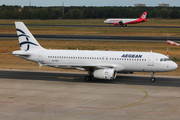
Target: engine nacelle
105,74
116,24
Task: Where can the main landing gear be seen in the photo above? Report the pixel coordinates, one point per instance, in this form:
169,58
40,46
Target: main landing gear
89,77
124,25
153,79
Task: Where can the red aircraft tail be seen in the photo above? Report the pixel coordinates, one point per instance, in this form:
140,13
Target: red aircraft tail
143,16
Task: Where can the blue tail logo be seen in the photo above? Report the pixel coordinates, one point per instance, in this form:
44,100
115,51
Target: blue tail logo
27,38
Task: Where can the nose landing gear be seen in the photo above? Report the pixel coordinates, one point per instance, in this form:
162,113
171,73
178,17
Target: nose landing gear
153,79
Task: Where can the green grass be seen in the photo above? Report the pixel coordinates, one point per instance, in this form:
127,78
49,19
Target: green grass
116,31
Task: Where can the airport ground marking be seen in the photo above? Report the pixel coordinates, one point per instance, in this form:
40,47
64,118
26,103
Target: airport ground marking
157,101
128,105
132,104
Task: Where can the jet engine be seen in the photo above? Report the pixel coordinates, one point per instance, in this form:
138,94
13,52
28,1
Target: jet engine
116,24
105,74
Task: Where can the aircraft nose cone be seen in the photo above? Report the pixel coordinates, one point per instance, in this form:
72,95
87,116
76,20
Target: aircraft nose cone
174,66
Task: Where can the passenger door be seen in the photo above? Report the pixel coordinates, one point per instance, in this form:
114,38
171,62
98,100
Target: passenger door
151,60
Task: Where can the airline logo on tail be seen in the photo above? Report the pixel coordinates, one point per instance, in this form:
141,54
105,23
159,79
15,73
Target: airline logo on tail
23,34
143,16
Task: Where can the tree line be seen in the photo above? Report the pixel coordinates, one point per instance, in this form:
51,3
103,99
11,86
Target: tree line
83,12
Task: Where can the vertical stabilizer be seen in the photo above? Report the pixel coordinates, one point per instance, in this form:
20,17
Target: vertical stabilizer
143,16
26,39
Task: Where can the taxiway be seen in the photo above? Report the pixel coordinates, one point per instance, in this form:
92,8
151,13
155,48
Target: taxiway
40,95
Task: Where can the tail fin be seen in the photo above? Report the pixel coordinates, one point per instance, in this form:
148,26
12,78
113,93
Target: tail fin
26,39
143,16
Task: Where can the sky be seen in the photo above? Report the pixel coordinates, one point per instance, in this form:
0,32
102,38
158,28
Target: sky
89,2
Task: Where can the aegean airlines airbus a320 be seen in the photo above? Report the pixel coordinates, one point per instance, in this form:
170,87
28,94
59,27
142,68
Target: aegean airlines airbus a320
122,22
99,64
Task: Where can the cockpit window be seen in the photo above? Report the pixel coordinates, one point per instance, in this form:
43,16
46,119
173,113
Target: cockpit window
165,59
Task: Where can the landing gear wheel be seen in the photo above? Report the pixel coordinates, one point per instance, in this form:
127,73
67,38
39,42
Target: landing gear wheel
87,78
125,24
153,79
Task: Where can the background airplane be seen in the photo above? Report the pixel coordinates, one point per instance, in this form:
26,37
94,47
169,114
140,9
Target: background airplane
99,64
122,22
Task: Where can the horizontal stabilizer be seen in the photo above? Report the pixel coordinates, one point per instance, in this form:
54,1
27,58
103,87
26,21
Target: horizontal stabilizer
7,53
21,53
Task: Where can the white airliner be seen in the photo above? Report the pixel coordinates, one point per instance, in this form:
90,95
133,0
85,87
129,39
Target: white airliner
99,64
122,22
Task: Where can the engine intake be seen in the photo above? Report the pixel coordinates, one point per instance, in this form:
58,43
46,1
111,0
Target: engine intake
105,74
